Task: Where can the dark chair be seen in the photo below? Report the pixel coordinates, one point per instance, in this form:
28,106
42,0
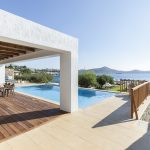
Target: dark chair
9,88
2,91
12,89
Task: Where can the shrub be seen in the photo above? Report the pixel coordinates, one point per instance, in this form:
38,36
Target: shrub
36,78
41,78
101,80
109,79
25,71
25,77
87,79
17,77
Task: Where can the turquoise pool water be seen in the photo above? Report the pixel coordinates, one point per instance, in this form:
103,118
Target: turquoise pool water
86,97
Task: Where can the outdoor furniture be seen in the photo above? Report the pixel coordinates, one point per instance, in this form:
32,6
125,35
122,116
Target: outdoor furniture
2,91
6,91
9,88
12,89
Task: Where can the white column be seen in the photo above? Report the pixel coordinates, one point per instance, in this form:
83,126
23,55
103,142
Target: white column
2,74
69,81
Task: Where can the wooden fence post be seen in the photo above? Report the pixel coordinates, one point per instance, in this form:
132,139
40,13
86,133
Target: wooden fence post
133,105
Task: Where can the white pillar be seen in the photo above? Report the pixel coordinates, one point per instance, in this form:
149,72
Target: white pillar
69,82
2,74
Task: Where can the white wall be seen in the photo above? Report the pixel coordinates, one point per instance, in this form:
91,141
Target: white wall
69,82
2,74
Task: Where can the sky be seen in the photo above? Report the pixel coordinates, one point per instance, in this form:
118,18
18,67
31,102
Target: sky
113,33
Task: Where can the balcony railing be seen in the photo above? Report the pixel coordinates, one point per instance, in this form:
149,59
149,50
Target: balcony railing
138,95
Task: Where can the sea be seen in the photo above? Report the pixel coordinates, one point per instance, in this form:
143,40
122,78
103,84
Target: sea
132,76
118,76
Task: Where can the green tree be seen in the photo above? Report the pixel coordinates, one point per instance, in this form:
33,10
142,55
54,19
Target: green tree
40,77
25,71
101,80
10,66
17,77
109,79
87,79
36,77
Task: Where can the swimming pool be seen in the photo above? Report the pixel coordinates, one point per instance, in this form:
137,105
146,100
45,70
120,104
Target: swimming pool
86,97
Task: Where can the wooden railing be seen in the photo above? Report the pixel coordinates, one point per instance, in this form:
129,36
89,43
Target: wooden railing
125,83
138,95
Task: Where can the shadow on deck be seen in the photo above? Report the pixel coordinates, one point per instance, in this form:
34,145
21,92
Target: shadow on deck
120,115
21,113
141,144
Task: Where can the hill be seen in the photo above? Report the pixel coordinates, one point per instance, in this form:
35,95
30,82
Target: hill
107,70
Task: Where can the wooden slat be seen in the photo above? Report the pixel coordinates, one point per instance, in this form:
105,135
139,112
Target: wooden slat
16,47
3,57
20,113
6,54
9,53
10,50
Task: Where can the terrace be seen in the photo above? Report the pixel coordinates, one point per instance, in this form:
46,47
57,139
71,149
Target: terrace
106,125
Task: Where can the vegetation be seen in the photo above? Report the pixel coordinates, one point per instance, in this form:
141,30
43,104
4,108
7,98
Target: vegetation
27,74
103,79
36,77
22,69
115,88
10,66
87,79
100,81
25,70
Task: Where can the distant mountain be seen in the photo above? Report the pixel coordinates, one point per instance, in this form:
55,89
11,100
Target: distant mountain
104,70
107,70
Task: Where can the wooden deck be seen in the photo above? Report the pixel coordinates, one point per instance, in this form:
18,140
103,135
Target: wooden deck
21,113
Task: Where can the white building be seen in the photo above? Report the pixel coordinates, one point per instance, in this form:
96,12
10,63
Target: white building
9,74
21,39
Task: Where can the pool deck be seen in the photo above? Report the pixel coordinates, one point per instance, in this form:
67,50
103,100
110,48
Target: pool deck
20,113
104,126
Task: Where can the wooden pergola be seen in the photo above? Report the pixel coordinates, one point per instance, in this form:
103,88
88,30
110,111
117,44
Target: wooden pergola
8,50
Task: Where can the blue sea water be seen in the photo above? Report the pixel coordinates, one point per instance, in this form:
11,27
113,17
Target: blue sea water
134,76
86,97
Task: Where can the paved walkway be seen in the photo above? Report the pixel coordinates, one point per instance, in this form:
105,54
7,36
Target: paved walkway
104,126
